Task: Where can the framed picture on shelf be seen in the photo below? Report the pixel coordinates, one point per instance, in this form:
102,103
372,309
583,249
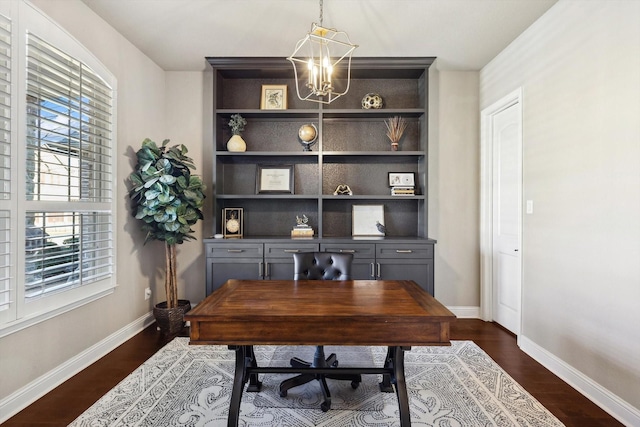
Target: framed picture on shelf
274,97
367,220
232,222
403,179
274,179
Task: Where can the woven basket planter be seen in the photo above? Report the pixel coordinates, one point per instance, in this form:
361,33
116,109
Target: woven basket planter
171,320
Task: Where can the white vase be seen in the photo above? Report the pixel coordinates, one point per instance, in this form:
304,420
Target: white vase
236,143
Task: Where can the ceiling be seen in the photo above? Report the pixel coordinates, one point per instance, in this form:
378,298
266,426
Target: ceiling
179,34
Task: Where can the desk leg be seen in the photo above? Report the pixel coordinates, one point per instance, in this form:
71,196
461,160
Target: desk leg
239,378
401,386
385,385
254,384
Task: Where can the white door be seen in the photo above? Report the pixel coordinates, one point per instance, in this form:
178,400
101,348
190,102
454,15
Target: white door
507,195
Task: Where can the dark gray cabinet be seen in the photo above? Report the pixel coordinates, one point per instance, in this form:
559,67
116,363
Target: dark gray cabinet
352,148
389,260
238,260
273,260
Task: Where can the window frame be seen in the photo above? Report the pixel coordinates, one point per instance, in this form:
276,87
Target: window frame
22,314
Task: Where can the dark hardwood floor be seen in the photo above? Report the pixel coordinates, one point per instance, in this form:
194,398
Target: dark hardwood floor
70,399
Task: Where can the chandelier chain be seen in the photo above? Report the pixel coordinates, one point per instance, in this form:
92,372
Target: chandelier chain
321,12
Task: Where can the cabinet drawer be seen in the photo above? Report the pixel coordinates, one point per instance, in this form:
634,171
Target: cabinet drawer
359,250
399,250
286,250
234,250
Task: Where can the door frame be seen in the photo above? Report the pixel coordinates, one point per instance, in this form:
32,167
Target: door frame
486,201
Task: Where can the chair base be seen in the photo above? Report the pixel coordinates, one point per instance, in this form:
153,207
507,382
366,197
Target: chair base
319,361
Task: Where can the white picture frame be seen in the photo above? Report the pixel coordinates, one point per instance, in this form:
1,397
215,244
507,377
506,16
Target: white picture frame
402,179
366,220
273,97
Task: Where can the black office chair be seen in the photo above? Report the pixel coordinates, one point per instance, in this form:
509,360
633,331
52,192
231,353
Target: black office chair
320,266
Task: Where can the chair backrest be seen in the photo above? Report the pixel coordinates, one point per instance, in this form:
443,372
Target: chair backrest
322,266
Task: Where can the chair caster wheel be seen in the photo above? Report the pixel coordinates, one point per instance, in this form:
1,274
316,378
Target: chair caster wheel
325,406
354,384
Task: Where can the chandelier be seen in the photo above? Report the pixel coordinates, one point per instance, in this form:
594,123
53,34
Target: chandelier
322,64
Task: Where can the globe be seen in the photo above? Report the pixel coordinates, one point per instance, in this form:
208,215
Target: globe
307,134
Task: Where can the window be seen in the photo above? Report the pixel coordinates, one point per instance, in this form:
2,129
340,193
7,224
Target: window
68,164
56,217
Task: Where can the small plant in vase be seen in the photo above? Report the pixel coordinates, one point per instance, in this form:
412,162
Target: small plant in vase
237,124
395,128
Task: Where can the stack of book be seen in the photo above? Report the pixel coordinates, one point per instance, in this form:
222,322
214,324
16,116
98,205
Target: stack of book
403,191
302,231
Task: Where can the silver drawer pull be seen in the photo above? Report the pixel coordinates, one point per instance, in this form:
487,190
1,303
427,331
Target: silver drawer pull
347,251
291,251
404,251
235,251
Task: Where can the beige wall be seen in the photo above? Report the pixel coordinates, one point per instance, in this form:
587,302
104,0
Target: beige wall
579,68
453,187
186,125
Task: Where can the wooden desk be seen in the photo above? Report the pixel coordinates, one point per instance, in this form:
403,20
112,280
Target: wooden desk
393,313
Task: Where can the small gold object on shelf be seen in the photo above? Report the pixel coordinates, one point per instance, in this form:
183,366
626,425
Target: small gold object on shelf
232,225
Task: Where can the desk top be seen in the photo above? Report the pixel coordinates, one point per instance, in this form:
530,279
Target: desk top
320,312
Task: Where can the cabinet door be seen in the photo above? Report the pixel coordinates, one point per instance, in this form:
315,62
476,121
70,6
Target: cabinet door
410,261
363,257
278,258
418,270
232,260
219,270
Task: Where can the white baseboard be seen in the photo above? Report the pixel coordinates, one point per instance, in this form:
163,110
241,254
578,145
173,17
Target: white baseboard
15,402
465,312
608,401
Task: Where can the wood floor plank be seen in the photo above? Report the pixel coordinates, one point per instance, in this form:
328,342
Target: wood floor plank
66,402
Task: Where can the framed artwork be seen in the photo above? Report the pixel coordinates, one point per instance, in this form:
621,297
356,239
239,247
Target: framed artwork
232,222
274,97
274,179
404,179
368,220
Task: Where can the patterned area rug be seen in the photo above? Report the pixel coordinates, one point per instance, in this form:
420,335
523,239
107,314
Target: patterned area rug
184,385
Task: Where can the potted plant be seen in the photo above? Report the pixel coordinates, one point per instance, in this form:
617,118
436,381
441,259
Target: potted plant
395,128
168,199
237,124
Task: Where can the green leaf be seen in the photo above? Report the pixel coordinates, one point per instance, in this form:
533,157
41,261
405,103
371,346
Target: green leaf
161,217
165,198
167,179
151,194
135,179
164,165
149,183
190,195
172,226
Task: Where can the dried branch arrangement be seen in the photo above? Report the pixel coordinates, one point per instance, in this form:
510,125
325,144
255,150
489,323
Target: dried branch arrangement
395,128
